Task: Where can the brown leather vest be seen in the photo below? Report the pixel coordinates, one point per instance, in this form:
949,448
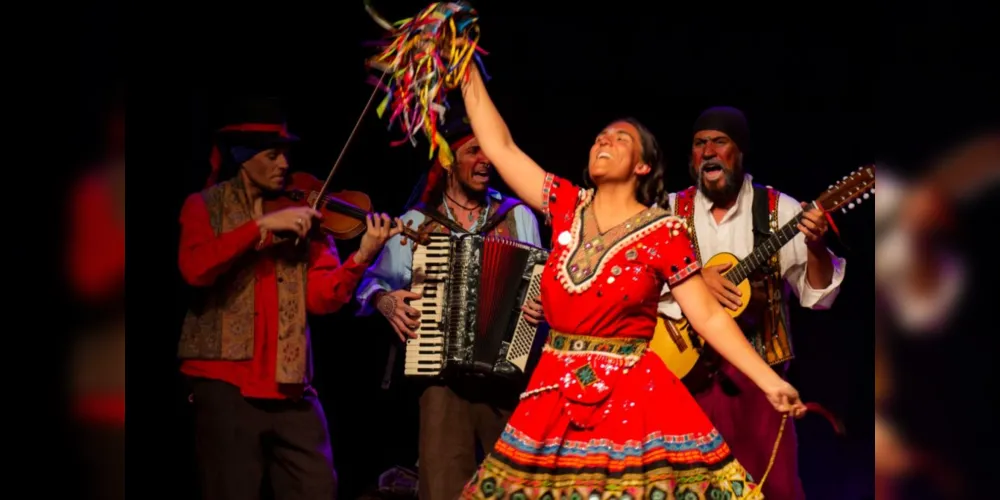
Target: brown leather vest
220,322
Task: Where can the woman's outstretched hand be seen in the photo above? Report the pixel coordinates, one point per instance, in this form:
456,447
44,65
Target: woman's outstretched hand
785,399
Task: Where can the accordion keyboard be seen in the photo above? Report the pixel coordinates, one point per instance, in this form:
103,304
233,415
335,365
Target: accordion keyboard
425,354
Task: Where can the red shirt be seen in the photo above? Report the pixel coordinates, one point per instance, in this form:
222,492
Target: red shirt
204,256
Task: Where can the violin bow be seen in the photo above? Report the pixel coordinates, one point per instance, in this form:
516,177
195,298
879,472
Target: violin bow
340,157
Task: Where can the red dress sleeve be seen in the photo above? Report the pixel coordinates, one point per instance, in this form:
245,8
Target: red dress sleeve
559,199
331,283
676,261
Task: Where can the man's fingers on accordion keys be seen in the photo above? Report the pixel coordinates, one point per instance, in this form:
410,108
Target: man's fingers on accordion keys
405,334
409,317
403,329
406,317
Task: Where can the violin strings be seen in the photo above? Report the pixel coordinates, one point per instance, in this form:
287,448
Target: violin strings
340,157
327,198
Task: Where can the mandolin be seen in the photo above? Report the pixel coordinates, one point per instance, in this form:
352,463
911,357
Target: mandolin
672,339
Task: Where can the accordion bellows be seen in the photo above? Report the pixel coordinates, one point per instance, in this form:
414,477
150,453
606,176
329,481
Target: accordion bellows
472,288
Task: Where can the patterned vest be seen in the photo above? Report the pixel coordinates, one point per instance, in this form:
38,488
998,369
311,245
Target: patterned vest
770,337
220,323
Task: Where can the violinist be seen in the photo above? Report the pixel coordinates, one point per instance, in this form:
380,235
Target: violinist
245,342
453,416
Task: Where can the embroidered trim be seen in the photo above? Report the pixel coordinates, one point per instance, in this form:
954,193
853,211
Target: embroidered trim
596,244
629,349
576,235
683,273
533,392
772,349
546,195
684,205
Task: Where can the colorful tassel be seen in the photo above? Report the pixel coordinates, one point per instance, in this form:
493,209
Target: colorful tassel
424,58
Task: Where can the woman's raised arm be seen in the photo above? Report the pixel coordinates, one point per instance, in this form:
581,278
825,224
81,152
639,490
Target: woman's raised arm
519,171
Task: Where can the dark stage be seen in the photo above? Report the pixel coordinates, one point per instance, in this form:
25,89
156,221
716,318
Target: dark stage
809,94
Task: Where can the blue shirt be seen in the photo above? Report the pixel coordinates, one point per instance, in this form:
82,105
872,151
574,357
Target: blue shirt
394,267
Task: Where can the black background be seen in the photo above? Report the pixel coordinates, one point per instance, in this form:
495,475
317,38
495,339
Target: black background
826,87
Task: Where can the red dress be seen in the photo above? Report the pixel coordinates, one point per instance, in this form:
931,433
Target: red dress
599,419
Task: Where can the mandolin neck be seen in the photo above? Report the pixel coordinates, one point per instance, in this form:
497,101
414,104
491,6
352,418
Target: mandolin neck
762,254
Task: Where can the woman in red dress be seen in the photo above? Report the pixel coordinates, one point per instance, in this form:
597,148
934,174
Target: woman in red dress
601,418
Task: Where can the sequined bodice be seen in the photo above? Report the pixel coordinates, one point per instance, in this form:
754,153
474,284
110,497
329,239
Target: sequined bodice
608,283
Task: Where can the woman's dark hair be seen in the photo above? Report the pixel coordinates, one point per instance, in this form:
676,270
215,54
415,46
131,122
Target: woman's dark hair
652,186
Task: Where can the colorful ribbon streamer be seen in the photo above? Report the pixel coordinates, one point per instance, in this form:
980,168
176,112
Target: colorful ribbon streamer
425,57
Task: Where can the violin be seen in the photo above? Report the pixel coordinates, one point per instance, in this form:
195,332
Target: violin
344,213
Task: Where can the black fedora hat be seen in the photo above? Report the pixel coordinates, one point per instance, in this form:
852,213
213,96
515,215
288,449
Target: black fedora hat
254,123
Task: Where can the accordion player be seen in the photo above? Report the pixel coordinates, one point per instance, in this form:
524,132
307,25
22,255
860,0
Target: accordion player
472,288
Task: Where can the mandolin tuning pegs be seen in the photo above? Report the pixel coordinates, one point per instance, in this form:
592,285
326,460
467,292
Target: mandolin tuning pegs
850,205
843,210
873,190
865,196
831,186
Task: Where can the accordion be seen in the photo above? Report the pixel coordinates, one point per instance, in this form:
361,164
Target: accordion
472,288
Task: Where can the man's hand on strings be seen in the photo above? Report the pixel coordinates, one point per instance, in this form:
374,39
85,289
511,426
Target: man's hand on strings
378,232
727,293
813,224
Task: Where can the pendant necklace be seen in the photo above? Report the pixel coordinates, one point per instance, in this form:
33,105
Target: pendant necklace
471,211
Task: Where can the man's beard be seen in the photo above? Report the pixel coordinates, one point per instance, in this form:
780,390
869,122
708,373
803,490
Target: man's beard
732,182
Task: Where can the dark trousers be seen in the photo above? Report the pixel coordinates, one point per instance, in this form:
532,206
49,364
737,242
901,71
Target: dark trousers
451,420
239,440
742,414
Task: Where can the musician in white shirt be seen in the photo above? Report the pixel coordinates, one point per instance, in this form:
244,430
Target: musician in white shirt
722,205
452,415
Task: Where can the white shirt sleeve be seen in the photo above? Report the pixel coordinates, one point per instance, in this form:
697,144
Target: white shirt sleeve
794,257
